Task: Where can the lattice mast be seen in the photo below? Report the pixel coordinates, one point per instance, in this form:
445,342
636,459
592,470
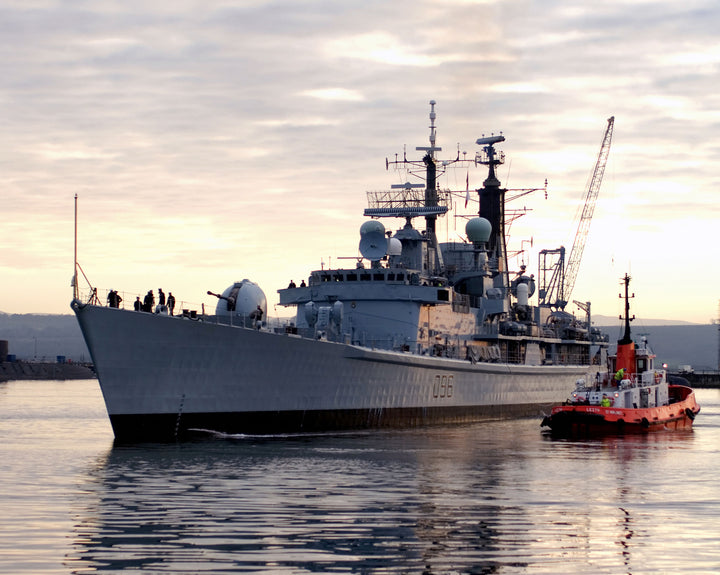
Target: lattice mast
411,200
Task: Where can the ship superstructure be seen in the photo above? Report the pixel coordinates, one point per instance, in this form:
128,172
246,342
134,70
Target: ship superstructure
411,293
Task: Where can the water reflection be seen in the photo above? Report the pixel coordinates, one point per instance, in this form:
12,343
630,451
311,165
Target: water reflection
478,499
374,503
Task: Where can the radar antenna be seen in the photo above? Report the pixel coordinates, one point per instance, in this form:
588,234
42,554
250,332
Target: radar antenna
411,200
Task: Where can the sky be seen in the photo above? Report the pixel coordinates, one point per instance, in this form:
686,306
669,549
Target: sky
212,141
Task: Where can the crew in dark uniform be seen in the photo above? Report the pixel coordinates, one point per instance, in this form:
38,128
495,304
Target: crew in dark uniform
171,303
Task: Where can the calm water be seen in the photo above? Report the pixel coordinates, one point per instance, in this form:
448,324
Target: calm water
491,498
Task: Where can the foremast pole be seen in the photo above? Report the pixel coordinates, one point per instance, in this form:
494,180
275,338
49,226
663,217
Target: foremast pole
431,195
76,292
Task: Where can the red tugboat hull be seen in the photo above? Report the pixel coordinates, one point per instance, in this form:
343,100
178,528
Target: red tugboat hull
573,419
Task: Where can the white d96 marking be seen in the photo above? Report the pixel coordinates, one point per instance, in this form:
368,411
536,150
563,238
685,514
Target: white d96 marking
443,386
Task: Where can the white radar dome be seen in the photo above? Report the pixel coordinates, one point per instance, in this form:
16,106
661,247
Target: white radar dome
372,227
478,230
394,247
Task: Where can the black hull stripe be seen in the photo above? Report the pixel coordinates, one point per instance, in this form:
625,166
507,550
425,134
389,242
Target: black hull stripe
173,427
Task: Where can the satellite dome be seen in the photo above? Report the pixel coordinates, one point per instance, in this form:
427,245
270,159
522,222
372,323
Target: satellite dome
372,227
394,247
242,299
478,230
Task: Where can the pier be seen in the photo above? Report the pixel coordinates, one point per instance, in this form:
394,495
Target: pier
709,378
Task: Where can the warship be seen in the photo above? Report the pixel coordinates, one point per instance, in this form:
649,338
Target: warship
414,332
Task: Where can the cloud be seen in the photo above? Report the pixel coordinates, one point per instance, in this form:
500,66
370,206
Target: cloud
388,49
239,140
342,94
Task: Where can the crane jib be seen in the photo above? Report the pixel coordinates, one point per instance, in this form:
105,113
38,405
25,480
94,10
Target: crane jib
556,291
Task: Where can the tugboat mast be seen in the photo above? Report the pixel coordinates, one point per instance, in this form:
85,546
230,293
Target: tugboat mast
626,339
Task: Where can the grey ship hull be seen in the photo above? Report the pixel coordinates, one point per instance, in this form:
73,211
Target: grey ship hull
164,377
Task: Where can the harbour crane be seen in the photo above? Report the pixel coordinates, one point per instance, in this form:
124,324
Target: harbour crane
557,280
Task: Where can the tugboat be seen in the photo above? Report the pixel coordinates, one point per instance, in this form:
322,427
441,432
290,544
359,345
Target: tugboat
637,399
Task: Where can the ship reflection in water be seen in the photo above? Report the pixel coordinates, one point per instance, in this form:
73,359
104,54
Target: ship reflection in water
492,498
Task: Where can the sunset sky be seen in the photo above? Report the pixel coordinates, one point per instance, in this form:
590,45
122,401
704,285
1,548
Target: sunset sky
214,141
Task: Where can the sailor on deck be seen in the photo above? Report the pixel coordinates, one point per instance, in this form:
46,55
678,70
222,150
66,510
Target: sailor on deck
619,376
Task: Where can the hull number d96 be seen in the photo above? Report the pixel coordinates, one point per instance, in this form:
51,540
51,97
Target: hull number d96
443,386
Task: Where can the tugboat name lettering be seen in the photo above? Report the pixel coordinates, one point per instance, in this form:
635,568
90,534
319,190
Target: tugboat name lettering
443,386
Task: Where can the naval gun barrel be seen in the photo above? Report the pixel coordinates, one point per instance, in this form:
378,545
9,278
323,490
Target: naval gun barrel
231,300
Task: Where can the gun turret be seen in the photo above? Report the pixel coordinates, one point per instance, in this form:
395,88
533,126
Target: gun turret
231,301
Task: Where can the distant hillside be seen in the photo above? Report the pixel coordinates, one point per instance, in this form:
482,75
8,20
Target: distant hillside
614,320
689,344
43,337
47,336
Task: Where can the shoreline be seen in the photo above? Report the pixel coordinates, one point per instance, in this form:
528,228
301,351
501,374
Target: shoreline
25,370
